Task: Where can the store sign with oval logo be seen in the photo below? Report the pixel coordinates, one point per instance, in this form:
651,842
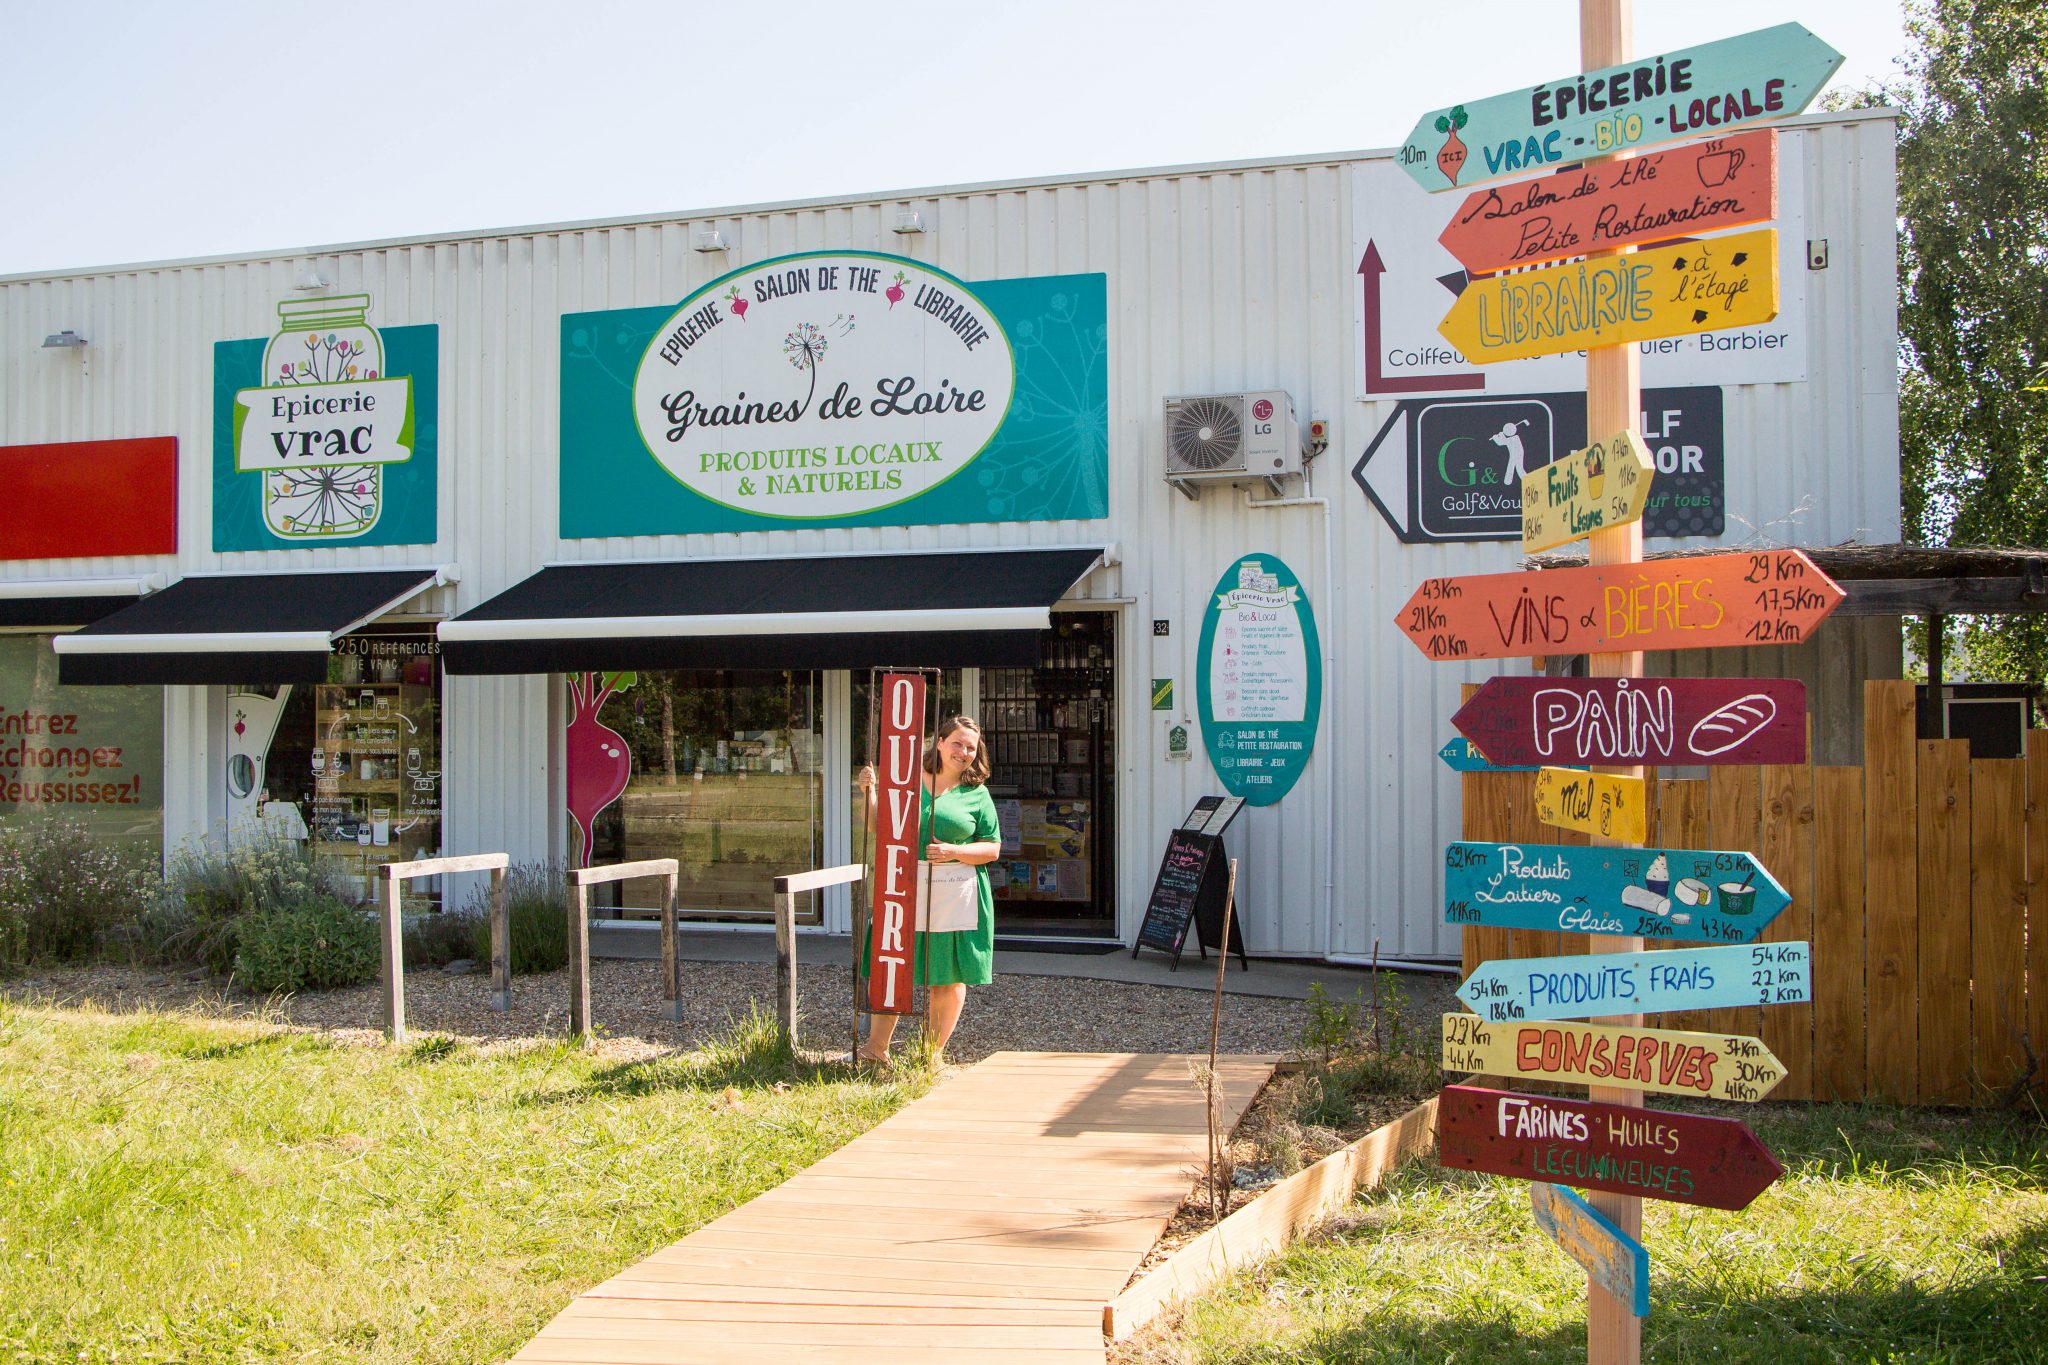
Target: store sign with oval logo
824,385
1259,679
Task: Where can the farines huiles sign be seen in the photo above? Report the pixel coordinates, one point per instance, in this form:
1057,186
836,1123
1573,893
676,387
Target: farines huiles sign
825,385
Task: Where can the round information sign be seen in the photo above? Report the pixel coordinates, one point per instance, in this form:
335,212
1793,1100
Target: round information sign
1258,679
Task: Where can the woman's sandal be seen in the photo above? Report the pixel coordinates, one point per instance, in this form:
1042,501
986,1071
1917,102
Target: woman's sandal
863,1058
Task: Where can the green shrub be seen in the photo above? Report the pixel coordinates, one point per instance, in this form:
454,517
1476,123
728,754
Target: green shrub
215,886
539,919
64,888
436,940
313,945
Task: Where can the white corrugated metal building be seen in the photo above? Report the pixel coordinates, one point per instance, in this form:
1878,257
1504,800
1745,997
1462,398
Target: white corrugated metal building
1213,280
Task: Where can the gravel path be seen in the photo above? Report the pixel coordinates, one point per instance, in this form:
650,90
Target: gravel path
1051,1013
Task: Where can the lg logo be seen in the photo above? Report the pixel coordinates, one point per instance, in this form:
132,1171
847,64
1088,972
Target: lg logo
1263,410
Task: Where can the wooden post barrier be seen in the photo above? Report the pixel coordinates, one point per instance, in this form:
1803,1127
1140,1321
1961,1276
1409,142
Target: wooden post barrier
786,892
395,875
581,879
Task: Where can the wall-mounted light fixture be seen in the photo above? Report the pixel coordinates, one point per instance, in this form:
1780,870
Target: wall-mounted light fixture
709,239
310,278
907,222
64,340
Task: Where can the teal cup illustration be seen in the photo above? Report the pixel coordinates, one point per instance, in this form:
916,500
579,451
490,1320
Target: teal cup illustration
1737,899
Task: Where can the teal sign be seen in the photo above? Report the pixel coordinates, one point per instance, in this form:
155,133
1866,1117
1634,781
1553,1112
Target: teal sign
1588,985
1461,755
1612,1259
1697,92
1680,894
327,433
1258,679
838,388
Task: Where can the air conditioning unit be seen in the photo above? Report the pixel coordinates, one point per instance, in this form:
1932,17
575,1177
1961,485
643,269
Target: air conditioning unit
1231,438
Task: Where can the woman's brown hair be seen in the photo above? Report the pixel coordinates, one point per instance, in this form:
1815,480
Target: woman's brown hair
977,771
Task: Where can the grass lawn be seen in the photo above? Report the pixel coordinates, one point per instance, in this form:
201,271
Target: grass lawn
178,1188
1895,1235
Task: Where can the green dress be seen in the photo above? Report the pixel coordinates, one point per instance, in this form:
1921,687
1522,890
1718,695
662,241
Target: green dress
965,815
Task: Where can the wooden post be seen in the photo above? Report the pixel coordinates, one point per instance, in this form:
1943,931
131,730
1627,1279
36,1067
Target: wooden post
579,960
394,961
501,943
1614,1334
785,964
671,968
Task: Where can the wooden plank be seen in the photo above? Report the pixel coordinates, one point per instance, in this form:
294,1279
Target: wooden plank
1998,913
1786,791
819,878
699,1310
1276,1218
435,867
1839,884
1682,822
572,1351
619,872
2037,906
960,1336
1891,851
829,1260
1943,921
1735,817
976,1253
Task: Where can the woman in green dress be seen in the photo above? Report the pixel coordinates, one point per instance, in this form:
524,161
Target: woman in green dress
960,838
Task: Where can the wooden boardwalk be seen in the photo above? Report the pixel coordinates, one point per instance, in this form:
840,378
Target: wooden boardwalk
991,1220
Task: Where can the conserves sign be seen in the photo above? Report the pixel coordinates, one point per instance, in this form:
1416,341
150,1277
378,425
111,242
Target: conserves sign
819,385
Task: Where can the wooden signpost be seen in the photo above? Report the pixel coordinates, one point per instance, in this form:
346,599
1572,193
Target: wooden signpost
1593,803
1677,894
1612,1259
1603,486
1663,1061
1684,1158
1727,182
1703,286
1583,985
1759,597
1692,93
1517,722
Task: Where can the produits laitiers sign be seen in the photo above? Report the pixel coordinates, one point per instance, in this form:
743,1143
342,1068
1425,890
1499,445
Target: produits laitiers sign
837,388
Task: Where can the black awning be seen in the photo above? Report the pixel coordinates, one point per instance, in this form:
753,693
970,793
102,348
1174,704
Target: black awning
234,628
965,608
62,610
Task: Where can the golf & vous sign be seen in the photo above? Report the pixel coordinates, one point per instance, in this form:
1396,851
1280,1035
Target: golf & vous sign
1589,984
1765,597
1529,722
892,943
1694,92
1685,1158
1663,1061
1680,894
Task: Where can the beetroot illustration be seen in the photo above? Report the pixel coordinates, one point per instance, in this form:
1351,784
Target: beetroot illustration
1450,159
739,305
599,762
894,292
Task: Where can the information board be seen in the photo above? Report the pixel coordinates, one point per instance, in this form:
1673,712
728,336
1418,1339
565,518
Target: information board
1189,890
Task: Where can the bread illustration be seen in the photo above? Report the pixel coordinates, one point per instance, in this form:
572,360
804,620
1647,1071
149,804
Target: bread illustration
1722,729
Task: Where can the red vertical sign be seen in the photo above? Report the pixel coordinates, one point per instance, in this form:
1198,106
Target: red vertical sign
897,789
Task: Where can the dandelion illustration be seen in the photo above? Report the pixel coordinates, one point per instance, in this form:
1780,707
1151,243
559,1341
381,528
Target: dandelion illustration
805,347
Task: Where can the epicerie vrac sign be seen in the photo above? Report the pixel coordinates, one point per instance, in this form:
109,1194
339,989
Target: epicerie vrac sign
824,385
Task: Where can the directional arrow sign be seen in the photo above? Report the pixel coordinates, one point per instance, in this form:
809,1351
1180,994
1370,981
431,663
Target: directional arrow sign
1767,597
1624,721
1709,186
1461,756
1598,488
1612,1259
1676,894
1593,803
1685,1158
1703,286
1695,92
1585,985
1660,1060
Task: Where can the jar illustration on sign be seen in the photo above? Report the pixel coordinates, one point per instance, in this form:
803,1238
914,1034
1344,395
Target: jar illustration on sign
324,341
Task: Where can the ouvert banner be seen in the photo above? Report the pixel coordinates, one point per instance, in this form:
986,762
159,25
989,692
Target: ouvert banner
837,388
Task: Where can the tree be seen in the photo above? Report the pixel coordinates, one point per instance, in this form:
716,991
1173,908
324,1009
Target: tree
1973,307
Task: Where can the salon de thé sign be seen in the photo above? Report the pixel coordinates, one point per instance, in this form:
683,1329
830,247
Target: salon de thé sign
814,386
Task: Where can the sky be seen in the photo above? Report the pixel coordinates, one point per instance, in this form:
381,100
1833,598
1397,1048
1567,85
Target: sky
153,131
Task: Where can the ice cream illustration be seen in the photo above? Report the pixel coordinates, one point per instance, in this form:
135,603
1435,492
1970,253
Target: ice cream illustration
1659,878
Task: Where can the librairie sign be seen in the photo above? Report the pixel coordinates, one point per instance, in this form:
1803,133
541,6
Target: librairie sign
1662,1061
1763,597
1677,894
1593,803
1722,183
1530,722
1605,485
1713,1163
1611,1258
1692,93
1701,286
1589,984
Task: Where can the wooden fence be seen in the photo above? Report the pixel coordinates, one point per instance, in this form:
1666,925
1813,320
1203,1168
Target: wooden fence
1920,878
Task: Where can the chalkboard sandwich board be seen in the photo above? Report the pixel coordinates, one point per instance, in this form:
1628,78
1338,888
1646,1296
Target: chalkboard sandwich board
1189,892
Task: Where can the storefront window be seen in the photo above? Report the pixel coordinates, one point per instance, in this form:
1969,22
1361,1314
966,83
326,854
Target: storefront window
944,704
96,753
352,764
719,769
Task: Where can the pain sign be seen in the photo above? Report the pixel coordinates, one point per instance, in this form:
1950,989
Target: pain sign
892,944
1695,92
